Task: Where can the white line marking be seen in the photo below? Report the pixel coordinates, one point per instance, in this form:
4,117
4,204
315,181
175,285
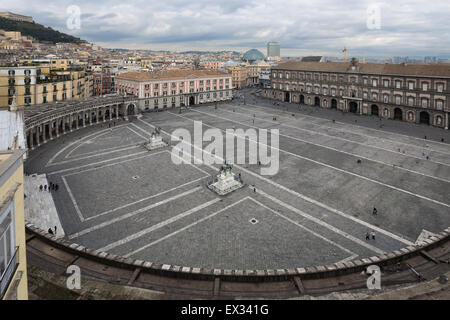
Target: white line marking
100,162
95,155
320,204
128,204
158,226
321,223
146,198
116,149
71,144
140,135
116,163
349,153
362,128
305,228
83,143
131,214
77,209
184,228
321,163
352,257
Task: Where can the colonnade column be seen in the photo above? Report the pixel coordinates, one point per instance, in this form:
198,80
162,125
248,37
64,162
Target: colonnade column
30,135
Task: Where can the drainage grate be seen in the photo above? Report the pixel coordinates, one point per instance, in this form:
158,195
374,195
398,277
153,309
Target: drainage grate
253,221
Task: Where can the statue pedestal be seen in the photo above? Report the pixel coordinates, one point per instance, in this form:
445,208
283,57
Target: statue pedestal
225,184
156,142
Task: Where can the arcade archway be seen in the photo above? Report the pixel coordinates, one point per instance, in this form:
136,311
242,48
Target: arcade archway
424,117
398,114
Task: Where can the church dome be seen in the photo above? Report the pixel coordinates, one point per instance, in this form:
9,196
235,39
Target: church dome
253,55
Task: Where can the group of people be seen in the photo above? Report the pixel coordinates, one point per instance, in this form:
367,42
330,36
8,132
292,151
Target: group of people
50,187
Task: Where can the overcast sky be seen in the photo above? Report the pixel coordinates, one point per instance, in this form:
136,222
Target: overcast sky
303,27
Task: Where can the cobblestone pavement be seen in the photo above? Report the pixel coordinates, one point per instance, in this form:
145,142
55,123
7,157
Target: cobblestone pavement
118,197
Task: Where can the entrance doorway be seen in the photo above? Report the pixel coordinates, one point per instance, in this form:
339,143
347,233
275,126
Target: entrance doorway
130,110
425,117
353,107
333,104
302,99
191,100
287,97
317,101
374,110
398,114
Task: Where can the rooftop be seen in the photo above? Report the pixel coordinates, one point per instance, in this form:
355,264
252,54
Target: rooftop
413,69
169,75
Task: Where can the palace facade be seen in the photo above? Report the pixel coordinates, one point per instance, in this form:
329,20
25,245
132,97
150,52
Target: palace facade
170,89
417,93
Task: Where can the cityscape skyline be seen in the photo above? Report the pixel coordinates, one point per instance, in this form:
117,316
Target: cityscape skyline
410,28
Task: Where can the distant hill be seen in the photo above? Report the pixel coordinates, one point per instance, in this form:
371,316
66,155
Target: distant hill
38,31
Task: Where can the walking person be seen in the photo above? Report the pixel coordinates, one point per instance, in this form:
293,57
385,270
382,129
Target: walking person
373,235
56,187
40,187
367,236
55,230
375,211
50,231
45,188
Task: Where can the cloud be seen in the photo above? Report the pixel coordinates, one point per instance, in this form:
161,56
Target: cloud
412,27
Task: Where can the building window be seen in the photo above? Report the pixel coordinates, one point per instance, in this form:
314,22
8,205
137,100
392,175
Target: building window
375,96
365,81
325,91
11,72
316,90
411,85
374,82
425,86
424,103
386,83
439,104
398,84
440,87
410,116
365,95
398,99
333,92
410,101
7,239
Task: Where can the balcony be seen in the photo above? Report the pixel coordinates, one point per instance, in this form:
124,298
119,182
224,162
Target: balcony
8,274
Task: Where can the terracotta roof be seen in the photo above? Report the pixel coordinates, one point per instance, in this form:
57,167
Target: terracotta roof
413,69
169,75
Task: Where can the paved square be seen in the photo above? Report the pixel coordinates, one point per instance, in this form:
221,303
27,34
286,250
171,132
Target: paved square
118,197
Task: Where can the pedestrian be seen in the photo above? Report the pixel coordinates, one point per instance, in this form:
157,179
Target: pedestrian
367,236
425,137
375,211
428,158
254,190
55,230
373,235
45,188
359,161
50,231
56,187
40,187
